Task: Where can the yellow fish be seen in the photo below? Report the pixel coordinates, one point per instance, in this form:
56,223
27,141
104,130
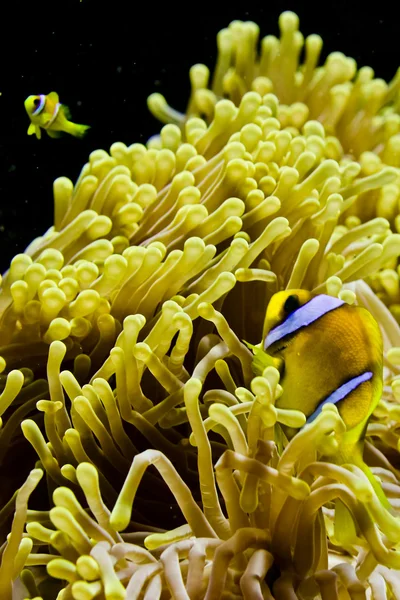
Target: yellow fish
46,112
326,351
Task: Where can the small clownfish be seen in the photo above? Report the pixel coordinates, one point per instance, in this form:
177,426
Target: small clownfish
326,351
46,112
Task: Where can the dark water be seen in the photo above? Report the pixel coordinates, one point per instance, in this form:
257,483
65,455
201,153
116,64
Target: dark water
105,57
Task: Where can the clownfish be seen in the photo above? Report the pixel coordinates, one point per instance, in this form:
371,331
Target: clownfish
326,351
46,112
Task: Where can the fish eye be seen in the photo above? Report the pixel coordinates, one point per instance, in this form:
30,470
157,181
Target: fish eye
36,102
292,303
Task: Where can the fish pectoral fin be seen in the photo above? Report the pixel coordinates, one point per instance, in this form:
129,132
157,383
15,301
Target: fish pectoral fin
53,96
252,347
262,360
54,134
46,120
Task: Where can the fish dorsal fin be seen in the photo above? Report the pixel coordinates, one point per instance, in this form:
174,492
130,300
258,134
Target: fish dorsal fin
53,96
67,112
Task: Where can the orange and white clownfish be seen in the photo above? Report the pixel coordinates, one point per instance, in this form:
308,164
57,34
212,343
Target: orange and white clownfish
326,351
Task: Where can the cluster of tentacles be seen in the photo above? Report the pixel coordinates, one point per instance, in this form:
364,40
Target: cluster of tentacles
122,331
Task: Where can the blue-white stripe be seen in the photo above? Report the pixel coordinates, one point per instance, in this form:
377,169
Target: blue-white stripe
341,393
55,113
41,105
316,308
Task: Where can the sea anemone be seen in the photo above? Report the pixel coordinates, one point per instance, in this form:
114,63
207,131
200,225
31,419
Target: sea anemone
123,329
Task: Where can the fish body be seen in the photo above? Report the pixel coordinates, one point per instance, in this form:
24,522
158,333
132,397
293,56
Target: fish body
46,112
326,351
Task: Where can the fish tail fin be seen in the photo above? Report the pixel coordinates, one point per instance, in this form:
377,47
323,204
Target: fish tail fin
354,455
345,530
76,130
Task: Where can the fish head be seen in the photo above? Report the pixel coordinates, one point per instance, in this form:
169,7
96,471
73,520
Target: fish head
34,105
281,305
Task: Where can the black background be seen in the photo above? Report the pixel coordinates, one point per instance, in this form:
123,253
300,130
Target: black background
105,57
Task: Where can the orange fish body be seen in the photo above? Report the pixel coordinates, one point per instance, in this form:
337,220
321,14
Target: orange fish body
327,352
